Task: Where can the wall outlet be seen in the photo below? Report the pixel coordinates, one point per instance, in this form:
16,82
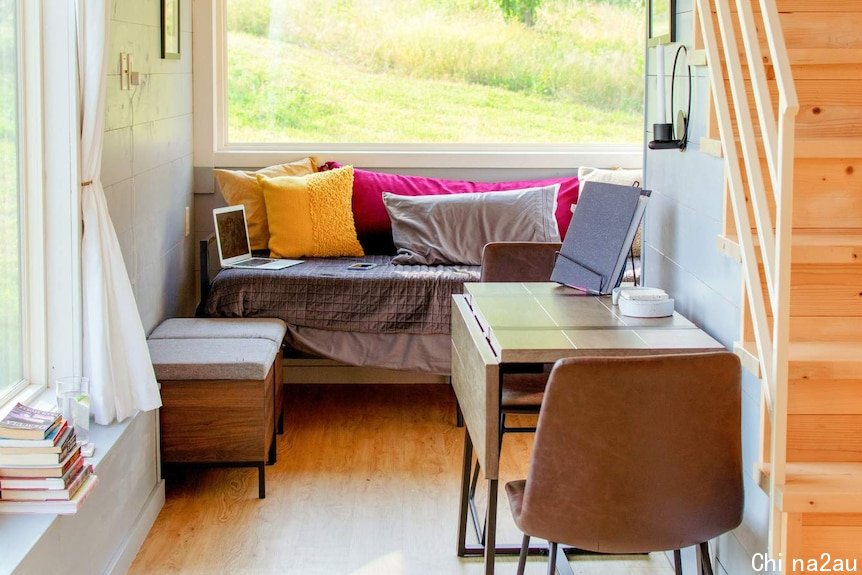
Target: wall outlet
188,221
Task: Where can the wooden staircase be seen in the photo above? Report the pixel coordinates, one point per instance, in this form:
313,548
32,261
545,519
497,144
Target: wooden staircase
786,80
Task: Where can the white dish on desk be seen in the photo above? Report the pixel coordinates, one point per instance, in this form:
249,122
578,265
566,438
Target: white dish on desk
646,308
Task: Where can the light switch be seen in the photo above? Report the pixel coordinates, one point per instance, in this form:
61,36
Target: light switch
124,70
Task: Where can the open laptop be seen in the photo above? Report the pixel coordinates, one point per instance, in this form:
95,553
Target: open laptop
234,249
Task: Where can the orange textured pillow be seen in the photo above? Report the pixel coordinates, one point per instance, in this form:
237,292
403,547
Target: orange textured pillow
240,187
311,216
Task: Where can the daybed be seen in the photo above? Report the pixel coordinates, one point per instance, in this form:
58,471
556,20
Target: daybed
392,316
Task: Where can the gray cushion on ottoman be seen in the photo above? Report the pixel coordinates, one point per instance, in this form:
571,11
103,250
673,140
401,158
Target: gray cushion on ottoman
221,328
186,359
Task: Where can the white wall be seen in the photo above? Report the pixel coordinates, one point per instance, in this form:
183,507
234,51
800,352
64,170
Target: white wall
683,219
147,160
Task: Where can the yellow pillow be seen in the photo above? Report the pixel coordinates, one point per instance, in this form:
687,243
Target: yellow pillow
240,187
311,216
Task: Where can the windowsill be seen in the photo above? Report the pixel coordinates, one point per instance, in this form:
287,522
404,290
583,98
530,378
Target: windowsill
20,533
417,156
28,396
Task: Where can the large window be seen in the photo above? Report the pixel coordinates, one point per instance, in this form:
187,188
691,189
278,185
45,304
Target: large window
433,71
11,337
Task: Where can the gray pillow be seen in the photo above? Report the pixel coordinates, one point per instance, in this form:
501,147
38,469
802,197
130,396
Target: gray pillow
454,228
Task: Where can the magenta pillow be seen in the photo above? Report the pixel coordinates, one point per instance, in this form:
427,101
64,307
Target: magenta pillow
372,222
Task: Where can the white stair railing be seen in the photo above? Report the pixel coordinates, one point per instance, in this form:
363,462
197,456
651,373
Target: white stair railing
742,144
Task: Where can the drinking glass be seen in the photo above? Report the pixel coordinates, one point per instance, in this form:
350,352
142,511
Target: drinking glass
73,400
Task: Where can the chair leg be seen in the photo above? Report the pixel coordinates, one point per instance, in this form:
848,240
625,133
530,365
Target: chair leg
552,559
459,417
677,562
522,558
705,560
261,481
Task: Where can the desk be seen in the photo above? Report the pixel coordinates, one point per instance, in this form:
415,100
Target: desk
500,328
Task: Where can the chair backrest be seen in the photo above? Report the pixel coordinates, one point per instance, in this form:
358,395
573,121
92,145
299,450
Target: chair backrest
518,261
637,454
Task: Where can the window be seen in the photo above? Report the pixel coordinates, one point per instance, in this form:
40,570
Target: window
431,72
11,273
40,293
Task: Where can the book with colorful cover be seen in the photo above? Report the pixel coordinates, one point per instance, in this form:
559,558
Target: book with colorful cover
51,440
53,507
55,470
63,494
45,482
28,457
25,422
60,437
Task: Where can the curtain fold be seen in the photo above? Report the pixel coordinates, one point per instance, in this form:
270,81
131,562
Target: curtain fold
116,357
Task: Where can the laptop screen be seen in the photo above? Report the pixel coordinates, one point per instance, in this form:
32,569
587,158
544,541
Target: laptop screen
231,234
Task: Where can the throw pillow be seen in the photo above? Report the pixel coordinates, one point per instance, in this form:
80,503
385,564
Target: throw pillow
372,221
241,187
621,178
310,216
454,228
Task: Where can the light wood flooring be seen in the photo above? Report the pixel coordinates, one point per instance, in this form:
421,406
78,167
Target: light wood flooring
367,482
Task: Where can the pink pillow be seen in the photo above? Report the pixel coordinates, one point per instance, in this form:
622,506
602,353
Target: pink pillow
372,222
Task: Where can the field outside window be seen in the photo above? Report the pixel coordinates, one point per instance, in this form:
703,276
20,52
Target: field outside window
436,72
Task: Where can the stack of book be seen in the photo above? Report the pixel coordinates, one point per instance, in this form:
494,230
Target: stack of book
41,466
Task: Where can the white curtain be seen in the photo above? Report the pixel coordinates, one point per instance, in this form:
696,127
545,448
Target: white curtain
116,358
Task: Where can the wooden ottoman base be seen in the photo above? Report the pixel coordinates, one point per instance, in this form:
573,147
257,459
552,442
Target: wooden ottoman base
220,422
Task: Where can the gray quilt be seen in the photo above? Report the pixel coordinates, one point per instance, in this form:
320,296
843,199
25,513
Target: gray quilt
324,294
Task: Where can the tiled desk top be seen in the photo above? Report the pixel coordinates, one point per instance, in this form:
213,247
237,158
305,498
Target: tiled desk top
541,322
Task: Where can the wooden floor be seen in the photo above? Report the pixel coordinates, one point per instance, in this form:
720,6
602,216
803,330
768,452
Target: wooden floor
366,482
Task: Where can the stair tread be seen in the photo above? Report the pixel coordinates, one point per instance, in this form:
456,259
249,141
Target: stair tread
821,359
816,350
810,246
833,147
826,351
817,237
819,487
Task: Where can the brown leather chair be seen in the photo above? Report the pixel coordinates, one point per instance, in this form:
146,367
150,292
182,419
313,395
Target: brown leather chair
518,261
635,454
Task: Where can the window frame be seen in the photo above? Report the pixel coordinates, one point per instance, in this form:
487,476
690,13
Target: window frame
212,147
50,203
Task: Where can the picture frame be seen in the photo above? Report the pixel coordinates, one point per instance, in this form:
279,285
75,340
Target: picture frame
171,29
660,22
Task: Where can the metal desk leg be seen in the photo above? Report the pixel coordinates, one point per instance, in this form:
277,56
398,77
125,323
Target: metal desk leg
465,487
491,528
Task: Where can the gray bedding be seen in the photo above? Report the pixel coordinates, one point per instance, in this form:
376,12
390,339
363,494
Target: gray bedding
393,316
325,294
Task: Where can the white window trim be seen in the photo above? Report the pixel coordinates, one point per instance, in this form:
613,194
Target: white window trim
50,224
213,149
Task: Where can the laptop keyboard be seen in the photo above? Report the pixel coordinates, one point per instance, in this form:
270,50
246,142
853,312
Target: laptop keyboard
252,263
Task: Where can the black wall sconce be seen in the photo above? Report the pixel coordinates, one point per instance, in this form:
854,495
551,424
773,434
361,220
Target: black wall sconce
666,136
